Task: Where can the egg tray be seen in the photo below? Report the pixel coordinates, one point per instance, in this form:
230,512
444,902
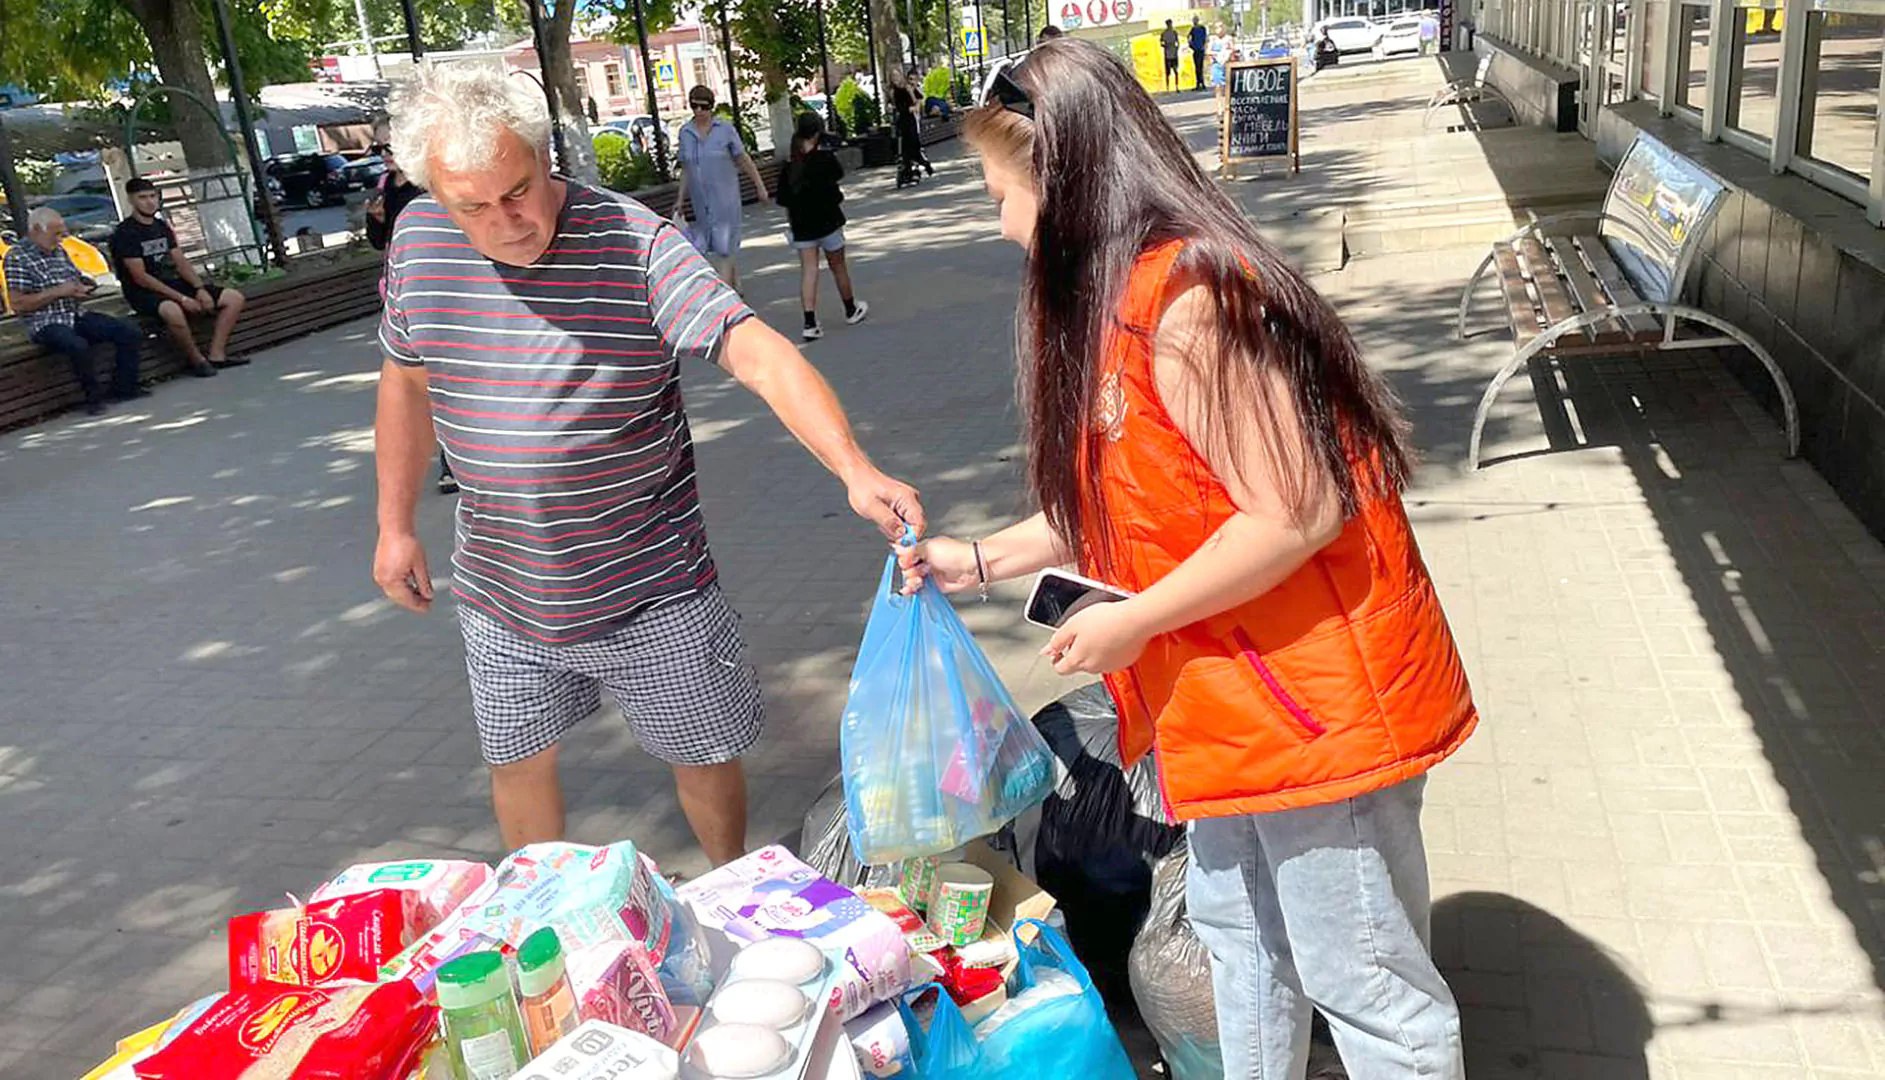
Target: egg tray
800,1037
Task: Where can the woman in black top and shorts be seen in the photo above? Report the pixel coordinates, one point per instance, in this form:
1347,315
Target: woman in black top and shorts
808,189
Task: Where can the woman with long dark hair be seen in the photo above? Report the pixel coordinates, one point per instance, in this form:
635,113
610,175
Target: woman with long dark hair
809,191
1204,436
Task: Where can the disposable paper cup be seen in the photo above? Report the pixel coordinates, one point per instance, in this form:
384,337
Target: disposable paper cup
917,882
959,910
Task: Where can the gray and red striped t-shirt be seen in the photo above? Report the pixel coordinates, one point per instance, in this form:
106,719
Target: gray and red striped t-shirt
556,394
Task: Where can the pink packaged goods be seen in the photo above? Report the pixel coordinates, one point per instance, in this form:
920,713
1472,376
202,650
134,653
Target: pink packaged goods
431,888
770,893
617,982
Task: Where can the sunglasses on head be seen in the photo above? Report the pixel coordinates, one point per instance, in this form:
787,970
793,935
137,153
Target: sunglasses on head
1007,93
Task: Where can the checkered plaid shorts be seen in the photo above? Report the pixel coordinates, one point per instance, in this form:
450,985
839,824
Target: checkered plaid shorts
678,671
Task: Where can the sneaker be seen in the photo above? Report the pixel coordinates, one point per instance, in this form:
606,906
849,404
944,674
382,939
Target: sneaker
232,360
812,333
204,370
857,313
131,395
94,407
448,484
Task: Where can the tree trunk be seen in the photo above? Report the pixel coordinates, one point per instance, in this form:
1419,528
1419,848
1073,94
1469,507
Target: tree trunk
772,77
887,15
559,73
176,39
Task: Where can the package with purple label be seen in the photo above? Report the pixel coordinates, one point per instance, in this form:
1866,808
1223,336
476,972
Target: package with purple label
770,893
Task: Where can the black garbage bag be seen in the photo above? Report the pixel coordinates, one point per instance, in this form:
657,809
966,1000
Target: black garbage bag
1171,978
1101,829
1097,807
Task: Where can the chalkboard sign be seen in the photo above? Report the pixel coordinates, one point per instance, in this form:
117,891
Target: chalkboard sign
1257,112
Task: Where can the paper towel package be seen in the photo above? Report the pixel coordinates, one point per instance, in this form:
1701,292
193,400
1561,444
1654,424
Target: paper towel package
770,893
602,1051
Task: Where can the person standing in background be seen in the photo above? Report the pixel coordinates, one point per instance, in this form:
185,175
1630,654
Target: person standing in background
903,101
383,208
1429,33
1169,42
711,158
808,189
1199,39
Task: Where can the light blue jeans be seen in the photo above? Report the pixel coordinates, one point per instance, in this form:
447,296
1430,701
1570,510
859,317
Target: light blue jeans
1325,906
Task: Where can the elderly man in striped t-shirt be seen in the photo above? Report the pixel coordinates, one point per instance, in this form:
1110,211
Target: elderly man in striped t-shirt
538,327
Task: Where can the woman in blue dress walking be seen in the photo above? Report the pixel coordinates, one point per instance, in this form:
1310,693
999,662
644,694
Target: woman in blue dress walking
711,158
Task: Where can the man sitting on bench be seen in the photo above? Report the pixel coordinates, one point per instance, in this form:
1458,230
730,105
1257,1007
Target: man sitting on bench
158,280
47,291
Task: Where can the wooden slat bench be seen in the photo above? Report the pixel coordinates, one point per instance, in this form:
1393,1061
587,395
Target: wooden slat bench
1614,283
35,384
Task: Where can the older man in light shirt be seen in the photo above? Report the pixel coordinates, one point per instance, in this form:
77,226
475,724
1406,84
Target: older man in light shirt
47,291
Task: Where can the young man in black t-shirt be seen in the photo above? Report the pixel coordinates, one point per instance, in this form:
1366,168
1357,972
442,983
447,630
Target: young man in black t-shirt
159,281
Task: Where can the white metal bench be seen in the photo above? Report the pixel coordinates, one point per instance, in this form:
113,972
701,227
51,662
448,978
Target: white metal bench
1618,287
1466,93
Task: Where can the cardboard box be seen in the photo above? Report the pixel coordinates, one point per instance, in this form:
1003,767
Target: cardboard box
1015,897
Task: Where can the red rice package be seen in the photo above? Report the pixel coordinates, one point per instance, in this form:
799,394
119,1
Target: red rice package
301,1033
345,939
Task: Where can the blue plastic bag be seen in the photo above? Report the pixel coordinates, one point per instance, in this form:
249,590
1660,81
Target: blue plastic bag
1054,1024
935,753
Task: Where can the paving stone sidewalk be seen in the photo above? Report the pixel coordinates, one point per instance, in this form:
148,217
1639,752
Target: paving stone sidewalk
1661,857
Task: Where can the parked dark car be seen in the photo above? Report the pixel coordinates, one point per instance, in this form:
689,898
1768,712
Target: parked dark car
363,173
311,179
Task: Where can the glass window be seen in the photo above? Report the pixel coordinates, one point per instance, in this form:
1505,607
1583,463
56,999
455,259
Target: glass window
1755,68
614,74
700,72
1655,47
1839,99
1692,44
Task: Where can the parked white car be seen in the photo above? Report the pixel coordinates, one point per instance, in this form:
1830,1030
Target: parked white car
1401,36
1353,35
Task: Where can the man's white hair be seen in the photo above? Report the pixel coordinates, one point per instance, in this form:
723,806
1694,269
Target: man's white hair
40,218
453,114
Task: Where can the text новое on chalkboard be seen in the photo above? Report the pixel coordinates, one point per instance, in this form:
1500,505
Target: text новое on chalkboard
1259,111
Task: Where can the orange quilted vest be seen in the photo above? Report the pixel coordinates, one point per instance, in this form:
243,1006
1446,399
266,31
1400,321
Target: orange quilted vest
1341,680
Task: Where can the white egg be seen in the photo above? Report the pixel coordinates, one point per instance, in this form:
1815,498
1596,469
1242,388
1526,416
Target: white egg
785,959
738,1051
767,1002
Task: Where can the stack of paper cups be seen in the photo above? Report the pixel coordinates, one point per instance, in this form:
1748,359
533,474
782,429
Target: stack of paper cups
959,909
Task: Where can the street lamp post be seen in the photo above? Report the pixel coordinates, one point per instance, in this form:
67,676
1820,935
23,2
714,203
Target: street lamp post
726,43
412,30
648,79
10,183
824,67
870,43
232,67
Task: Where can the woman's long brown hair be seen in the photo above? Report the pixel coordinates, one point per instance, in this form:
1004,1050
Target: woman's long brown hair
1115,181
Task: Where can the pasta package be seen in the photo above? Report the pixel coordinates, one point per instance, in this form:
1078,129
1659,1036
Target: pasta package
345,939
302,1033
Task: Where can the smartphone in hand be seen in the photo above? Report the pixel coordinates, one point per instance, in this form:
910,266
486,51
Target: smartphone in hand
1059,596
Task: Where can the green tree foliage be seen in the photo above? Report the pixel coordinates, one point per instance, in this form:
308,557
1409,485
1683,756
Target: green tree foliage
936,83
860,111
